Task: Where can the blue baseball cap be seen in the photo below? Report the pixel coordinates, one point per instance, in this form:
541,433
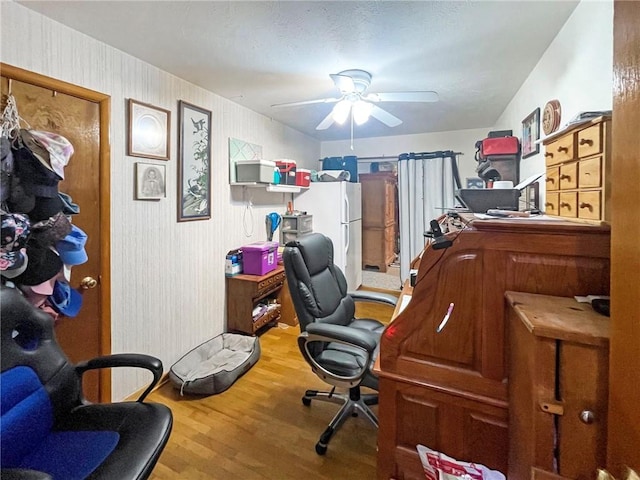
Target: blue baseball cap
71,248
65,300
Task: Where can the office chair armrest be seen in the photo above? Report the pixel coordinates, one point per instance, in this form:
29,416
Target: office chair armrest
376,297
23,474
339,333
136,360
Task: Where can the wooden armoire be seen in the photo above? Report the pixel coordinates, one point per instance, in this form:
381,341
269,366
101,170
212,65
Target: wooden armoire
379,219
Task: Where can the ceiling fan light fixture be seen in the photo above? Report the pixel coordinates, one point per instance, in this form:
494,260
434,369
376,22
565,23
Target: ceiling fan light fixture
361,112
341,111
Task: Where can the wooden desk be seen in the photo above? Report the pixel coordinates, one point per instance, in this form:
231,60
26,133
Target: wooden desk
558,386
448,390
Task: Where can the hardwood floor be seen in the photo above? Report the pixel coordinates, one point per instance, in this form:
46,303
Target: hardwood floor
259,428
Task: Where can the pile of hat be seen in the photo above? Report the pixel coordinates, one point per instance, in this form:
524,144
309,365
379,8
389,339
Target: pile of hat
39,243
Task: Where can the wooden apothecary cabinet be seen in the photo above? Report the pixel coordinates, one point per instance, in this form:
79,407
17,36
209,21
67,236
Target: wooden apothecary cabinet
578,165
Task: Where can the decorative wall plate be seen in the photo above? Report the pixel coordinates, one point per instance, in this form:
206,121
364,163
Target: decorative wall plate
551,117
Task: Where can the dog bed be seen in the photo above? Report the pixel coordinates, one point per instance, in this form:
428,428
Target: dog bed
215,365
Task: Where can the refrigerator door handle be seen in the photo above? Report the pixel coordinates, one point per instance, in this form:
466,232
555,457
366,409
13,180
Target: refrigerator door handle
347,239
346,211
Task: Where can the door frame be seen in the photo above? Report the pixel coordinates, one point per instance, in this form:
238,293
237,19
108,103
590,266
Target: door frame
104,104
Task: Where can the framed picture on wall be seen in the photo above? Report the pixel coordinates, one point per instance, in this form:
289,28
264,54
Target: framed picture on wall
148,131
194,167
150,181
531,134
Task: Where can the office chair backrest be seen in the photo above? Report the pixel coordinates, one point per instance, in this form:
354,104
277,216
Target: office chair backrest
318,288
28,339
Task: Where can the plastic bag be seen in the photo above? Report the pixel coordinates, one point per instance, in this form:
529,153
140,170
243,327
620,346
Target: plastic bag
438,466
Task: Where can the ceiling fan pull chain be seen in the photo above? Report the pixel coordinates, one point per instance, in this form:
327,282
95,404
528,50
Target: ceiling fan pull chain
352,129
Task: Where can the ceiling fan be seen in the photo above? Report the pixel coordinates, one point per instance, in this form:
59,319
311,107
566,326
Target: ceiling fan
355,101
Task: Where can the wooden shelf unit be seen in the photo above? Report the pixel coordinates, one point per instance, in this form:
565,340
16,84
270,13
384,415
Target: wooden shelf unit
244,292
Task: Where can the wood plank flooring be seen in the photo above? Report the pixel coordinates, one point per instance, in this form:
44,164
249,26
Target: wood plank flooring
259,428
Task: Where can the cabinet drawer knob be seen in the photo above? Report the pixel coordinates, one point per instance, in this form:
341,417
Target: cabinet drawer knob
563,149
551,180
564,176
548,154
586,141
548,204
586,205
565,205
587,416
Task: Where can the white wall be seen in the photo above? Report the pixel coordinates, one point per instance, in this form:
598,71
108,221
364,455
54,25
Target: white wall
168,284
576,69
459,141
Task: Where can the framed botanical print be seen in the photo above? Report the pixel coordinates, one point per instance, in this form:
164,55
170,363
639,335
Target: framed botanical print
194,168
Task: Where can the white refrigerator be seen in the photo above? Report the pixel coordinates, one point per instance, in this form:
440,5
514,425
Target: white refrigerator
337,212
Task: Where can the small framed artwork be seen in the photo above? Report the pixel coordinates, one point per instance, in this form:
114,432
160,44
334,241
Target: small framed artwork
148,131
150,181
531,134
194,168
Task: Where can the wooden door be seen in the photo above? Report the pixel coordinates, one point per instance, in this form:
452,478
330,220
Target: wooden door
623,443
81,116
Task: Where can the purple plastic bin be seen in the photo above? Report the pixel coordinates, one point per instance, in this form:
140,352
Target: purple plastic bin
260,257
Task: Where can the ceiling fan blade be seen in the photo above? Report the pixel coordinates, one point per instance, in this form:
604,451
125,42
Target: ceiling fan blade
326,122
344,83
384,116
402,97
307,102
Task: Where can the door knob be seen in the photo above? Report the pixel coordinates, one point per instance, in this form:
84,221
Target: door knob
88,282
587,416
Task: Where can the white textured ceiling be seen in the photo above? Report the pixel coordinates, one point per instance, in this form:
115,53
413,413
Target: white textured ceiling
475,54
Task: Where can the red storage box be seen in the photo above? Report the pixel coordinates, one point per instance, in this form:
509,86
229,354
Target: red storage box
303,177
500,146
287,171
260,258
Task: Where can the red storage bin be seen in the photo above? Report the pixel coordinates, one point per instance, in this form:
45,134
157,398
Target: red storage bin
500,146
287,171
303,177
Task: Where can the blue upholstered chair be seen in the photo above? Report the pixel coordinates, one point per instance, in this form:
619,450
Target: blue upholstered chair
48,430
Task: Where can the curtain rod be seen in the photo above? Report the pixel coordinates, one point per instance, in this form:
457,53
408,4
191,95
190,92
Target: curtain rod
395,159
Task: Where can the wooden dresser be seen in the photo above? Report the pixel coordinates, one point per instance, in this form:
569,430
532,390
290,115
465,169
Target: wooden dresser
379,224
578,160
558,387
448,390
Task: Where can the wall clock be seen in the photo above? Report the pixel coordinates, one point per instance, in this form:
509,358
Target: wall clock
551,117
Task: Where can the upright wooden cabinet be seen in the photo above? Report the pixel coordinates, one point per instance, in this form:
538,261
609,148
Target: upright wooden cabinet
379,222
558,387
448,390
578,163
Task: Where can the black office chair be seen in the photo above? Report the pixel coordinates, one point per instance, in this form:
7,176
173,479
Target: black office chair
340,348
48,430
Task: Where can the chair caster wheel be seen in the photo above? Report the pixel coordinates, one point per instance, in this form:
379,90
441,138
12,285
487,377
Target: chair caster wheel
306,401
321,449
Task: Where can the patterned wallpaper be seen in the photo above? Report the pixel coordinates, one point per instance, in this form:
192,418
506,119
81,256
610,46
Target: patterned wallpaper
168,284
